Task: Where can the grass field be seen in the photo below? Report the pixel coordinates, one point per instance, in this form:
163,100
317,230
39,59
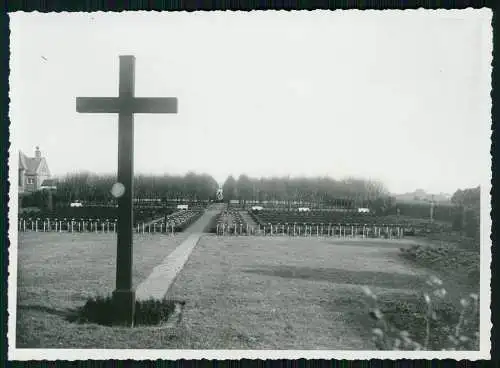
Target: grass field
239,292
285,293
60,271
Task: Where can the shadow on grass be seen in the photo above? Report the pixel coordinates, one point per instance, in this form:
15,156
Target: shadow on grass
342,276
65,313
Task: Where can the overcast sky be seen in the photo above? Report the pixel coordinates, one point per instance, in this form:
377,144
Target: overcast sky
398,96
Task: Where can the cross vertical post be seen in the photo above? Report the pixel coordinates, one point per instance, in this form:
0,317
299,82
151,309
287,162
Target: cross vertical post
124,295
125,105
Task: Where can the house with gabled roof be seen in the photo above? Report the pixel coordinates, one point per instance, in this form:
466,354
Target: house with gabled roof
33,172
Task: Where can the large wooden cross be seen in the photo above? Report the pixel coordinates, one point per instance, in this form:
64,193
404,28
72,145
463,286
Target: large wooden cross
125,105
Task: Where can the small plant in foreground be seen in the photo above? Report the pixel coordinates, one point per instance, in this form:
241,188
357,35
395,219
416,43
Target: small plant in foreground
461,334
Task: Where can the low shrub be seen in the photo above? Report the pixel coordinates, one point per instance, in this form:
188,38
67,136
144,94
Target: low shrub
101,310
446,258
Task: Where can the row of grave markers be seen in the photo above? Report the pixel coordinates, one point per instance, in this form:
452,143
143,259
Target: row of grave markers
390,231
90,227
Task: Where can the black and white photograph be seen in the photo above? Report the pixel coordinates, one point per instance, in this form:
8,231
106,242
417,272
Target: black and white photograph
265,184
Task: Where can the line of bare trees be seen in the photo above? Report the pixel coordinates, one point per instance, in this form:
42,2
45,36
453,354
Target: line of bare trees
348,192
95,189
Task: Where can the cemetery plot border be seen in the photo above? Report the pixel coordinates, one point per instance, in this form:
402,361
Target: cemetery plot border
314,218
386,231
230,222
170,224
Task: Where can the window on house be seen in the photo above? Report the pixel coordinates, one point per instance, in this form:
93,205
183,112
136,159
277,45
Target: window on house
30,180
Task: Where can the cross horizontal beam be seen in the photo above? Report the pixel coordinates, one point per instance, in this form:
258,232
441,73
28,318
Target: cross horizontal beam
136,105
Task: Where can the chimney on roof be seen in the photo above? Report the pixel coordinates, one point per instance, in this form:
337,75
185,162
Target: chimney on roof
38,154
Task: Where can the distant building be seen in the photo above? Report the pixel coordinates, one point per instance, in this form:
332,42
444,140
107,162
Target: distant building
33,172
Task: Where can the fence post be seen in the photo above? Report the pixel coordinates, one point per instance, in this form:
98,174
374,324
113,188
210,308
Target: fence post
143,227
217,230
294,229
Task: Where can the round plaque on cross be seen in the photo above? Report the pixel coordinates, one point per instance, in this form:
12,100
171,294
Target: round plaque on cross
117,190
